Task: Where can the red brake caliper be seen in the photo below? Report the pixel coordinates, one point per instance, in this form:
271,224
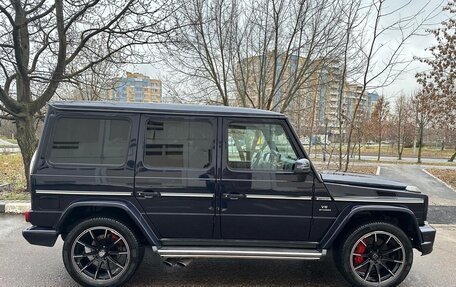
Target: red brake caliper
114,238
360,249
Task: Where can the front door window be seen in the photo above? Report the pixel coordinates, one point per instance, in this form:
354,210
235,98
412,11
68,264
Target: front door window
259,147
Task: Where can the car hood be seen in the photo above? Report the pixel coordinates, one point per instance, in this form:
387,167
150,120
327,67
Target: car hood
362,180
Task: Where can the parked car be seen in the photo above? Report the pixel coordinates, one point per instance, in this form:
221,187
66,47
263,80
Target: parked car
191,181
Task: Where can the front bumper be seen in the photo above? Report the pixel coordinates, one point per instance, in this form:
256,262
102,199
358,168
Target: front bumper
427,238
40,236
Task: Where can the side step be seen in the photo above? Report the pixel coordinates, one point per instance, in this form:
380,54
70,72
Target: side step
236,252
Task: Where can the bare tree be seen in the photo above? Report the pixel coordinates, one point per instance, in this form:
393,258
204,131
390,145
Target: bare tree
353,18
440,81
379,73
403,119
204,53
95,84
43,43
424,115
259,55
378,121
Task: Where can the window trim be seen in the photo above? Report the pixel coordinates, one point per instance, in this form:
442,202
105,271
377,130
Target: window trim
282,123
211,120
79,116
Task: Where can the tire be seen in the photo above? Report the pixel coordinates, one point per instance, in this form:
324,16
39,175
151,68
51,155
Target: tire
370,253
101,252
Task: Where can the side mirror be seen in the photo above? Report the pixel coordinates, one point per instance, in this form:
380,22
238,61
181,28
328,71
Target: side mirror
302,165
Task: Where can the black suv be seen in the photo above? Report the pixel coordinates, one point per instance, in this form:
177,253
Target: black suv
194,181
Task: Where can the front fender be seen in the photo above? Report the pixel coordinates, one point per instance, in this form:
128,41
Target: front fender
349,212
126,206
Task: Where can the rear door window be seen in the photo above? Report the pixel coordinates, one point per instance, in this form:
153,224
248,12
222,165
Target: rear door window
94,141
179,143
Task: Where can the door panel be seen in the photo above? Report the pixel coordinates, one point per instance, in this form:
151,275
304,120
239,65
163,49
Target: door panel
261,197
175,176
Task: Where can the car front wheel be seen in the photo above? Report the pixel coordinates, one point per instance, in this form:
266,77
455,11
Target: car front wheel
375,254
101,252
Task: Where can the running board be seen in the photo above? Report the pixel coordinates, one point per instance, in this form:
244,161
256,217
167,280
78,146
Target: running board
232,252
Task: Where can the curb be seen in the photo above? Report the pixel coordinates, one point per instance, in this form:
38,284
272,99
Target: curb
14,207
438,179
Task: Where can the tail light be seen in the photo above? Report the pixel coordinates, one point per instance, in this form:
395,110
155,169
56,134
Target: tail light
27,216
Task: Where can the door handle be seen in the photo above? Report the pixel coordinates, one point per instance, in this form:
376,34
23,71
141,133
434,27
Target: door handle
234,196
148,194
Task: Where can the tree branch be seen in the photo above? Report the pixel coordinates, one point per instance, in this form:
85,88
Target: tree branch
60,66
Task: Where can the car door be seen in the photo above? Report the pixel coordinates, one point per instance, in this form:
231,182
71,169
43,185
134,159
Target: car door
175,175
261,197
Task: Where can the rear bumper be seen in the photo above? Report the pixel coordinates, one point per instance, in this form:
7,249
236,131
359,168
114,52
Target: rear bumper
427,238
40,236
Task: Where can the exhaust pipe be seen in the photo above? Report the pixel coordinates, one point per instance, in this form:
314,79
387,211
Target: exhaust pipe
170,262
184,262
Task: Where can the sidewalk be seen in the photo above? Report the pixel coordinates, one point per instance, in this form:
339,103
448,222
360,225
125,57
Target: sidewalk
14,206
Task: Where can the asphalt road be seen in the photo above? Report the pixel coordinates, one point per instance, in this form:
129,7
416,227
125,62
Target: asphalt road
391,158
442,200
22,264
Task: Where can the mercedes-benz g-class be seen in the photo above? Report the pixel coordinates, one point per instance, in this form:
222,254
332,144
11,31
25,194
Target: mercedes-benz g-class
193,181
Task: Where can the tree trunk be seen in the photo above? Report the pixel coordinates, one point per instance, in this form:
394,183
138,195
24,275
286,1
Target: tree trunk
420,143
359,150
353,151
27,142
379,149
452,157
399,136
340,146
312,122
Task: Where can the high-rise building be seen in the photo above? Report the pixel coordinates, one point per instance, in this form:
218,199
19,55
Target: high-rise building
372,99
137,87
315,104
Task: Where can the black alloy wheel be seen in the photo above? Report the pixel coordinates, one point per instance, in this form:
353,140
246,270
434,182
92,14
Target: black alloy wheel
101,252
375,254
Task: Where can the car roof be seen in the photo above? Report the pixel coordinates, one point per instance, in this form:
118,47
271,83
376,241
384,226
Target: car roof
187,109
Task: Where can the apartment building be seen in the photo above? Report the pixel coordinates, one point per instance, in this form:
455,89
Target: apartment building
315,101
136,87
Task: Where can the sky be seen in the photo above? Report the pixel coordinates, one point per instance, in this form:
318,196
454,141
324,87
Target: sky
414,47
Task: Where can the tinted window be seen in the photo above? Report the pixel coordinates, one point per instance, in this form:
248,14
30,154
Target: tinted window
179,144
259,147
90,141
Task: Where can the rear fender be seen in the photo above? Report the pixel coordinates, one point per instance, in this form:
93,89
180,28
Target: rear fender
129,208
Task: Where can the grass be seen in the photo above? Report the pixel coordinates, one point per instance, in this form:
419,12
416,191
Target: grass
364,169
15,196
446,175
388,150
12,173
404,162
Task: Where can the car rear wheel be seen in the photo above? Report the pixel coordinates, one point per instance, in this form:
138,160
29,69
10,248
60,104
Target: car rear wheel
101,252
375,254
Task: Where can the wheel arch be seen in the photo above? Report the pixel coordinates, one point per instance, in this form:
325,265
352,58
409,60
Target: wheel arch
122,210
403,217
